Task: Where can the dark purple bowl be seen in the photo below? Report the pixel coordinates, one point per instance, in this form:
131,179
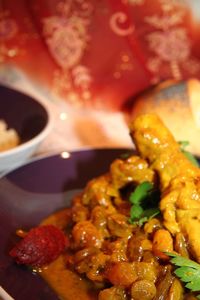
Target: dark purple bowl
30,194
23,113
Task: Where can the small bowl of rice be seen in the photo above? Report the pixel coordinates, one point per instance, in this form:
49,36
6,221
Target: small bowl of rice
24,124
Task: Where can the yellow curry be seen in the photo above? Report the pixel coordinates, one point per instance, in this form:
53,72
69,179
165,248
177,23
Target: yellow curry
109,256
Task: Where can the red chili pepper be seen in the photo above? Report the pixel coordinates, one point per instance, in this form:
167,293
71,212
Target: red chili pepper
40,246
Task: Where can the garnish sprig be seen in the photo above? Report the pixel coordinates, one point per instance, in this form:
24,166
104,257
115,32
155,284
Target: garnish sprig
190,156
141,200
187,271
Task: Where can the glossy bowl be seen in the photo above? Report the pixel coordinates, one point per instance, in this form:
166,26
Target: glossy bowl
40,188
30,118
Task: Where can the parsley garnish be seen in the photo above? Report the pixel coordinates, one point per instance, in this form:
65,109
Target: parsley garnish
190,156
187,270
140,211
183,144
141,192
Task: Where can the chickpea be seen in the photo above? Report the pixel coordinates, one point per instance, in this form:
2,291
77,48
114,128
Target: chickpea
118,225
113,293
146,271
143,290
121,274
117,250
85,234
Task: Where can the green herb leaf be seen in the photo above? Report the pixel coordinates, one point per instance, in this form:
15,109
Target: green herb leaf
136,212
190,156
187,270
183,144
140,213
146,215
141,192
151,212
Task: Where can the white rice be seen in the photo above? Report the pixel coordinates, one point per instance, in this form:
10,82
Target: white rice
9,138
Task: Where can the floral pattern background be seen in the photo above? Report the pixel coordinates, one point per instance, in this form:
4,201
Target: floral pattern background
90,61
98,53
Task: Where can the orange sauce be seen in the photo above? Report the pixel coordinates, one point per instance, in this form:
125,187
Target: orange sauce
67,284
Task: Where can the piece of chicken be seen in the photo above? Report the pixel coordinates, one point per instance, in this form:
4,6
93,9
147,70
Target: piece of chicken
179,178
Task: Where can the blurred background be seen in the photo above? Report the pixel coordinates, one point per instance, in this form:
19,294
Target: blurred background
99,63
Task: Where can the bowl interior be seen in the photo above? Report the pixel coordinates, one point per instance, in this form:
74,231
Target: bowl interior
21,112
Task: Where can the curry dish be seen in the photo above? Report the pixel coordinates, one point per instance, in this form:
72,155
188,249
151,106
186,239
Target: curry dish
113,255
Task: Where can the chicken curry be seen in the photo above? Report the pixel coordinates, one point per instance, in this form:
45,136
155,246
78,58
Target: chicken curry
115,244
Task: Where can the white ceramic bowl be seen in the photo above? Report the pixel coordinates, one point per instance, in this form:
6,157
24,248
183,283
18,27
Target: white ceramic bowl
30,118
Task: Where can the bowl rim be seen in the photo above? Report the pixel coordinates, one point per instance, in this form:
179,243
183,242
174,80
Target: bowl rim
36,139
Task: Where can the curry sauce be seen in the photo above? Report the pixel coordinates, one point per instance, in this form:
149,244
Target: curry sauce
113,253
67,284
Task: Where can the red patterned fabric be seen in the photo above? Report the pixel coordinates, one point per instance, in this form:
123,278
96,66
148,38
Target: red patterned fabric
99,53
